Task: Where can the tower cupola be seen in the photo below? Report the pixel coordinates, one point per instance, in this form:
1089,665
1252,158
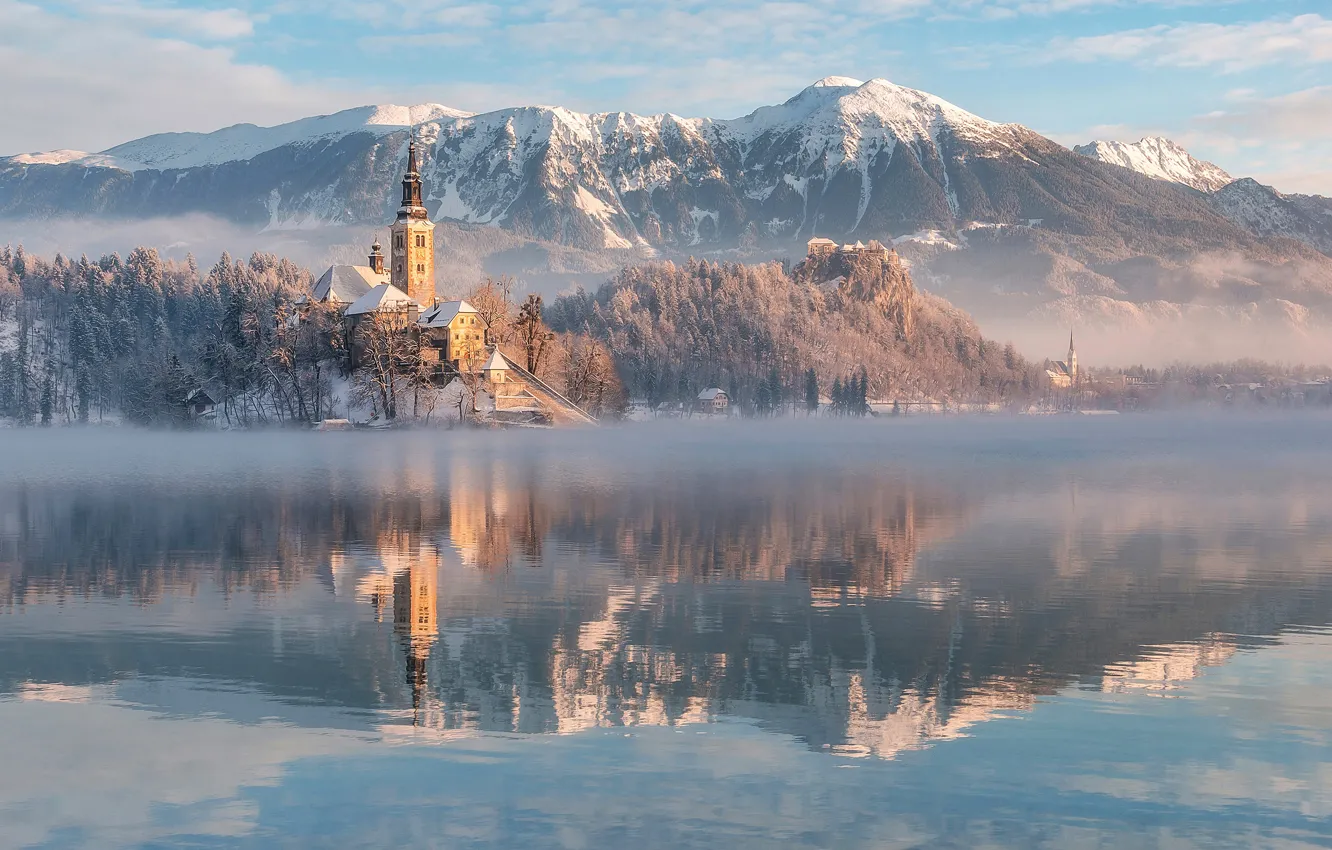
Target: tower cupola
377,258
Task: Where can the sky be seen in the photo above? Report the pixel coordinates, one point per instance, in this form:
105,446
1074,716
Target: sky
1244,83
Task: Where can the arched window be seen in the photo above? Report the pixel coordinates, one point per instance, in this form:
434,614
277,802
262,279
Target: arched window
420,268
420,240
397,242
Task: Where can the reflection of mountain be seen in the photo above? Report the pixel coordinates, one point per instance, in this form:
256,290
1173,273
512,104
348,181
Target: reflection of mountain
865,613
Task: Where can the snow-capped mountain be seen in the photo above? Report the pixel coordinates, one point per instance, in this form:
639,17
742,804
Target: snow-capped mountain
1258,209
1263,210
842,158
993,215
1161,159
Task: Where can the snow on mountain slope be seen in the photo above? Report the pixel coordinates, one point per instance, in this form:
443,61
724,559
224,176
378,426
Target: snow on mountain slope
167,151
1161,159
1262,209
842,158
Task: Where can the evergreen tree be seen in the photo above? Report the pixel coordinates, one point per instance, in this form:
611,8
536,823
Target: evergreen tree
776,393
838,397
48,400
812,391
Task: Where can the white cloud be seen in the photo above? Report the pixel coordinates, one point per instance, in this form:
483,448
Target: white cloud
91,81
212,24
1306,39
1280,141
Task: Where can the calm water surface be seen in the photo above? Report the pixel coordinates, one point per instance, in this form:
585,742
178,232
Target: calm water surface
1063,633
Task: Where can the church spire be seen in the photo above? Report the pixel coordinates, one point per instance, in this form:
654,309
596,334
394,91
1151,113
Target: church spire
1072,357
411,186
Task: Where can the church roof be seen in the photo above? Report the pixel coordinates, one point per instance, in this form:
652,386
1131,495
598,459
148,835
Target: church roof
385,296
443,313
345,284
497,362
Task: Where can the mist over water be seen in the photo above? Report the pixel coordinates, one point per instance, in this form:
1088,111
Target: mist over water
949,633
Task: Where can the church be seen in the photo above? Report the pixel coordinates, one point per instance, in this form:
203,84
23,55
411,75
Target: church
1063,374
452,332
397,292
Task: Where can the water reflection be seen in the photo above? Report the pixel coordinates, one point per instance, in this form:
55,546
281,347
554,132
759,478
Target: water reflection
864,608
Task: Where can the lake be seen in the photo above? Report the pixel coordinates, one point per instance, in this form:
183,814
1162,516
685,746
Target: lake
1063,632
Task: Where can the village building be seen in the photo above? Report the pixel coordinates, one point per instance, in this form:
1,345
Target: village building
454,333
713,401
1063,374
821,247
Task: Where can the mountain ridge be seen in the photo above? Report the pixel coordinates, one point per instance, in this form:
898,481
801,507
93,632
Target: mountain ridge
994,215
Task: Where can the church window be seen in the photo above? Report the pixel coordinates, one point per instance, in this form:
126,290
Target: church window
399,268
420,240
397,241
420,268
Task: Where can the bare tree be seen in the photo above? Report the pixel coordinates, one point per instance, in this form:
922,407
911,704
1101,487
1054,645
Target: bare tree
533,335
389,352
493,300
588,372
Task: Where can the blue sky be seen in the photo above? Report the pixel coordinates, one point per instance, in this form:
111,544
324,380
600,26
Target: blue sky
1245,83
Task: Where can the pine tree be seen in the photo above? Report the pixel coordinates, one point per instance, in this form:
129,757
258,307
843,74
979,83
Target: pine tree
776,393
48,401
812,391
838,396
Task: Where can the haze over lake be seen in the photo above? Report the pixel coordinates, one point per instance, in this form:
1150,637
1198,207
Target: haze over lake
1073,632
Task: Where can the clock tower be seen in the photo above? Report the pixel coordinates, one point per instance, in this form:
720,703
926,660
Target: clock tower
412,254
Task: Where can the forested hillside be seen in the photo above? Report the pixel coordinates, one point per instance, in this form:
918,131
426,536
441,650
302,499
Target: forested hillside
86,341
756,331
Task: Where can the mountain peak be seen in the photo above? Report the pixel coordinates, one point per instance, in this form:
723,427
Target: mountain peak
1161,159
837,83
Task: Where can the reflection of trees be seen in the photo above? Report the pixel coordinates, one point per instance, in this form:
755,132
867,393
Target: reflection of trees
533,600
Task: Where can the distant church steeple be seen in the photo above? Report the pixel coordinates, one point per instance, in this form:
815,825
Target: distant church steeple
1072,358
413,235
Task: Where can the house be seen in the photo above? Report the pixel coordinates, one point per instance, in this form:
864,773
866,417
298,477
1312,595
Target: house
712,401
455,333
200,405
821,247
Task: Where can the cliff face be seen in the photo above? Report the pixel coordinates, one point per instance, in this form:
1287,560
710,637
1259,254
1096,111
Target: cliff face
875,276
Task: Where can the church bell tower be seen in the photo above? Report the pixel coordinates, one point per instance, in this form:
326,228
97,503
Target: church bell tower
1072,359
413,239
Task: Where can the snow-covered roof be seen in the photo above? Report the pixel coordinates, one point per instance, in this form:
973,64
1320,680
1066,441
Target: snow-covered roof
496,363
443,313
386,296
345,284
821,240
711,394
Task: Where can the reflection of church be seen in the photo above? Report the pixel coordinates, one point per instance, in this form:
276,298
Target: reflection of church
416,622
